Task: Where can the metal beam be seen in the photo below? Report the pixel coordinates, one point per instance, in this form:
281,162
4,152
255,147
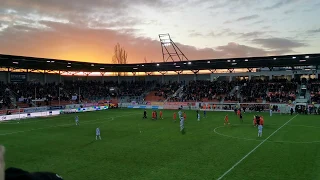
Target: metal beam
231,70
195,71
163,72
212,70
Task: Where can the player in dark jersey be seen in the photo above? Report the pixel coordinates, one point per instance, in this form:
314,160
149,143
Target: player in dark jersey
258,120
240,116
144,114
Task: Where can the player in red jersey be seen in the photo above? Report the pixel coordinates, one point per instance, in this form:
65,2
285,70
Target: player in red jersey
174,116
153,115
184,116
226,120
160,115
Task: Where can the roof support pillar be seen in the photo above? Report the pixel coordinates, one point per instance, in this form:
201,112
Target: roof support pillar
178,73
87,75
45,76
59,76
162,77
28,71
195,72
8,76
134,76
102,76
148,76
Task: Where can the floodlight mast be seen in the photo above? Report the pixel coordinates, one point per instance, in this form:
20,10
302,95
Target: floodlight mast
167,54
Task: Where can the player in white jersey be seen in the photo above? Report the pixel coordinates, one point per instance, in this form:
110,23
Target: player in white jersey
270,112
198,117
260,127
181,123
98,134
77,120
180,114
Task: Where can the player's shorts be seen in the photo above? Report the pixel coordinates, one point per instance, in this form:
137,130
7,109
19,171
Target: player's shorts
98,134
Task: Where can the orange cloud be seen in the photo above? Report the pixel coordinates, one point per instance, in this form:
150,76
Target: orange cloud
74,42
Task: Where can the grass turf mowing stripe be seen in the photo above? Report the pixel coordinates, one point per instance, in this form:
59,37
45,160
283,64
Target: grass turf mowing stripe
90,122
244,157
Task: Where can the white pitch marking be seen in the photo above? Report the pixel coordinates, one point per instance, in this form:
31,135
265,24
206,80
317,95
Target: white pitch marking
227,172
249,139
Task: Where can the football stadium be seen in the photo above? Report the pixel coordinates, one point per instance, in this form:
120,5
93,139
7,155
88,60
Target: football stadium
240,119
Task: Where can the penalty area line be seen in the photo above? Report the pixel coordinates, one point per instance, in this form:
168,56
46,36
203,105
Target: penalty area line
244,157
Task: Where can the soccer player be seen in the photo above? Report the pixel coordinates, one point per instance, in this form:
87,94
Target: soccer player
254,121
260,127
180,114
181,124
240,116
77,120
204,113
270,111
153,115
239,112
184,116
226,120
261,121
258,120
198,117
144,114
160,115
174,116
98,134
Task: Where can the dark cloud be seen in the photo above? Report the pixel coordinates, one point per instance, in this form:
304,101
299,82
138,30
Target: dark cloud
195,34
253,34
313,31
102,13
280,3
245,18
289,11
279,45
237,50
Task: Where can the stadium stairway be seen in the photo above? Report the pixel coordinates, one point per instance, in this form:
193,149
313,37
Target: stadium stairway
177,93
303,94
234,89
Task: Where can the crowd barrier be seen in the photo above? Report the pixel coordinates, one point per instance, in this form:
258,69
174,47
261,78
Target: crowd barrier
44,112
29,115
86,109
145,107
216,106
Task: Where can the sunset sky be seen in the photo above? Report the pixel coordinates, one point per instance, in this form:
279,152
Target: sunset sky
84,30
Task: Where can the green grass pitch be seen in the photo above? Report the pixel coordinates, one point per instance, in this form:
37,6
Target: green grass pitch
141,149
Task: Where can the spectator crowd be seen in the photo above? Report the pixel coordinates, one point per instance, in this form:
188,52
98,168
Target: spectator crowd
274,91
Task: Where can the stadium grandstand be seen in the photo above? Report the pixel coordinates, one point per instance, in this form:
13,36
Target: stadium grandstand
69,101
33,82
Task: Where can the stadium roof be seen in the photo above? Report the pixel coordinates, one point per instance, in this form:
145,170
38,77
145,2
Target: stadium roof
21,62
